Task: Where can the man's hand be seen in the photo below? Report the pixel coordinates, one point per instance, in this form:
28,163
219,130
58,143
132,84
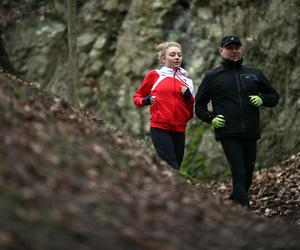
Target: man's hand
255,100
218,121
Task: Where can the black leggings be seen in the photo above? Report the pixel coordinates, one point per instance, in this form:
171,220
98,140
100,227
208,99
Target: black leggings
241,156
169,145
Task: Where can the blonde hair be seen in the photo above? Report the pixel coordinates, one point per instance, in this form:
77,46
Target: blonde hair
162,49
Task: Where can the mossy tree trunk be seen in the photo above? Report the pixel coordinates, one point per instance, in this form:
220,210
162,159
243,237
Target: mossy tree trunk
72,45
5,62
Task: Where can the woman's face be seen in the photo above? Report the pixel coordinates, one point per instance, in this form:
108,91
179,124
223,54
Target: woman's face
173,57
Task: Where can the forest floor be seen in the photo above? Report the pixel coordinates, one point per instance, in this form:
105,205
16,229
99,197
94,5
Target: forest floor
275,191
68,182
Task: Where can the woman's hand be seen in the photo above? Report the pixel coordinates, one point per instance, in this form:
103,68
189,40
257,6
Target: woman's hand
186,93
152,98
148,100
183,89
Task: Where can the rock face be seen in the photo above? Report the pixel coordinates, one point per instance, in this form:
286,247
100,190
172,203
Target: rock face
116,41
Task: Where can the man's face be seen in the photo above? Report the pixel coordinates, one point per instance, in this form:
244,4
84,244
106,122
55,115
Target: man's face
232,51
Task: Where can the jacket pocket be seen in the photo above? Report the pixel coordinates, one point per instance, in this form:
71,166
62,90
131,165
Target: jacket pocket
249,83
159,110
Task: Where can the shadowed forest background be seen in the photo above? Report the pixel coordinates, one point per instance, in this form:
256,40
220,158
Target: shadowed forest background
89,174
115,53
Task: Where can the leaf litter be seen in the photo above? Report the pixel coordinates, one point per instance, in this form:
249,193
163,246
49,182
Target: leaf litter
67,182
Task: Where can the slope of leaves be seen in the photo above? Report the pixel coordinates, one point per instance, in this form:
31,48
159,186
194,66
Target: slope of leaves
66,182
275,191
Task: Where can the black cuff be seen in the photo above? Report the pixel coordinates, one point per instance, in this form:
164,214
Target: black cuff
146,101
187,94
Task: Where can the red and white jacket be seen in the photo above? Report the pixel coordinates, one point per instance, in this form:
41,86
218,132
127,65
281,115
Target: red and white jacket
170,110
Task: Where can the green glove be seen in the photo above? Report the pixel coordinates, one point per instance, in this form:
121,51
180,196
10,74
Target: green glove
218,121
256,100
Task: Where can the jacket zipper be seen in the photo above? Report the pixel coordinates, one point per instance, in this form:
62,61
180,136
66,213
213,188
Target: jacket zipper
175,96
240,99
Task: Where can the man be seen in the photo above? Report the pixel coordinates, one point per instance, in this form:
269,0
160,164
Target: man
237,92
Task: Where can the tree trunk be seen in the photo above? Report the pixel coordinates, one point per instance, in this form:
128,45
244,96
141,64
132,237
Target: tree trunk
5,62
72,44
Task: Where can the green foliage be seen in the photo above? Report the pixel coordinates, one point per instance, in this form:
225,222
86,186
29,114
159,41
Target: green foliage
195,165
193,162
9,198
17,94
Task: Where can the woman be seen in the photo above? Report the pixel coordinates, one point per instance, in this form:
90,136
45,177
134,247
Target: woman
170,94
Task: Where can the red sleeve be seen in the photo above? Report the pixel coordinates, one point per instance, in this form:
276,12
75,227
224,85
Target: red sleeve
145,89
190,103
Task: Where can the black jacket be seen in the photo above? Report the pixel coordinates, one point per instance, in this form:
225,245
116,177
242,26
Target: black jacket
228,88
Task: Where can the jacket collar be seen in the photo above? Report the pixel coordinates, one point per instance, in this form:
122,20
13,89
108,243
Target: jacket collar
170,71
232,64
